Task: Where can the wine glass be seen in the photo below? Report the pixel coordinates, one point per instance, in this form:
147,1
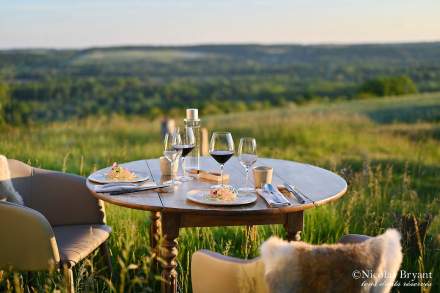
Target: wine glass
185,143
170,153
247,155
221,148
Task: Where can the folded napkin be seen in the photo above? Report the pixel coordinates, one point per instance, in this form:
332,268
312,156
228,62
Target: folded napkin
274,200
119,188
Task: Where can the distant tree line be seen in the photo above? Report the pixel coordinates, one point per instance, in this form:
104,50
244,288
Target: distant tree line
51,85
24,103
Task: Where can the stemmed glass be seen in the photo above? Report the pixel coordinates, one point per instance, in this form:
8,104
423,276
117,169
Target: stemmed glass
185,143
247,155
221,148
170,152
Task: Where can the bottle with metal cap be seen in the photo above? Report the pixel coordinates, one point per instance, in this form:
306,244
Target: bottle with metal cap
192,160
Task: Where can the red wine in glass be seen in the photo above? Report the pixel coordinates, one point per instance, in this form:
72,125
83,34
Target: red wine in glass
184,148
221,156
221,149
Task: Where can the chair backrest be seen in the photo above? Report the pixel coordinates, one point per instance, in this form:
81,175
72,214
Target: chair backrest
368,266
21,176
215,273
62,198
300,267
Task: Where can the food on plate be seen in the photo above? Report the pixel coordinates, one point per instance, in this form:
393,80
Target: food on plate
119,173
223,194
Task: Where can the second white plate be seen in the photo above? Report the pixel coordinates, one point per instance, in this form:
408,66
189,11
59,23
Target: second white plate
202,196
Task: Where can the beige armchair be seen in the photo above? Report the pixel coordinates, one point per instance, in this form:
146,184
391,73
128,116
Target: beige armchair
60,224
215,273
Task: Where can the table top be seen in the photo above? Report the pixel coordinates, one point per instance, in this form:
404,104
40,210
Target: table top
321,186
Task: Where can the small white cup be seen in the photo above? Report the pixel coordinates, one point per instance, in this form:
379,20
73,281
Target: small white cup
262,175
168,169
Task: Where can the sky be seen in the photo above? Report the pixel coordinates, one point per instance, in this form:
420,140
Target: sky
81,23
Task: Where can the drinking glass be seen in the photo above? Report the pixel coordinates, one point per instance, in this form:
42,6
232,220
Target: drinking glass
221,148
185,143
170,153
247,155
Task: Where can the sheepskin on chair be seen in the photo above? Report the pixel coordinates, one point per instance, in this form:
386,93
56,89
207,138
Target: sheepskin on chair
7,190
369,266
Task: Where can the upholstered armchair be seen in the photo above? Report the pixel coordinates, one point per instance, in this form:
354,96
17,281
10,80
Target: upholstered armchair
300,267
60,223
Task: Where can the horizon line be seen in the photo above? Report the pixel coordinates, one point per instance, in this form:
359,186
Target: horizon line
188,45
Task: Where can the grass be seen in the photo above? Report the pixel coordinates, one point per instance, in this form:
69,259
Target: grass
391,163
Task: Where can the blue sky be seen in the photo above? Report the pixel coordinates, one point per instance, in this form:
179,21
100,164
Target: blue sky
61,24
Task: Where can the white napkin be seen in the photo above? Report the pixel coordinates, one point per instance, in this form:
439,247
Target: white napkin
123,187
274,200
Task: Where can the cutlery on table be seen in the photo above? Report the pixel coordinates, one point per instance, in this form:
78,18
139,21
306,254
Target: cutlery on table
115,188
115,185
132,190
277,197
300,197
120,184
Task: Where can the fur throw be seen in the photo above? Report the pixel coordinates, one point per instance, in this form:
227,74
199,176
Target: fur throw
7,190
369,266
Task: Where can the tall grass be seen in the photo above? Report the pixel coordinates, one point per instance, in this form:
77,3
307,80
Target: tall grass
392,170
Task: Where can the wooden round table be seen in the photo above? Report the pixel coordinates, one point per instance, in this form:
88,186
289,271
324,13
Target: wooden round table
172,211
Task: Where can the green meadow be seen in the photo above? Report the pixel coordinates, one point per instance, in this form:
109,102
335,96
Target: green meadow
388,150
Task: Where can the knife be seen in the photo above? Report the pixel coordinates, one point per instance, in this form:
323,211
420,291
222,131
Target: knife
138,189
299,197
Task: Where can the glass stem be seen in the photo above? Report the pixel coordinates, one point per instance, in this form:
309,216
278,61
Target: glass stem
173,183
183,166
221,174
247,177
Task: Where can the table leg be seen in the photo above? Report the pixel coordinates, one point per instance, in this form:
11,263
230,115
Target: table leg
294,225
155,233
170,230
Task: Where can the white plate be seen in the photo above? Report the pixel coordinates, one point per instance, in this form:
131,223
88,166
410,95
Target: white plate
101,177
202,196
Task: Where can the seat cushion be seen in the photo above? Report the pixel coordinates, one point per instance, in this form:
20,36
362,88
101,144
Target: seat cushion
77,241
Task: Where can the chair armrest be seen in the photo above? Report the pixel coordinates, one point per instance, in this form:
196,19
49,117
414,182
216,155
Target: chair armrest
353,238
213,272
64,199
27,239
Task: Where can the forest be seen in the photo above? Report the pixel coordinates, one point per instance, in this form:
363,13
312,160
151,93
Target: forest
44,85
